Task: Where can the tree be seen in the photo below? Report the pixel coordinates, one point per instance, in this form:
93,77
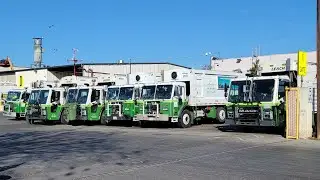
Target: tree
255,69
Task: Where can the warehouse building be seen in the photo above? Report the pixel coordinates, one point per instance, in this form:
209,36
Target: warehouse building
269,63
24,77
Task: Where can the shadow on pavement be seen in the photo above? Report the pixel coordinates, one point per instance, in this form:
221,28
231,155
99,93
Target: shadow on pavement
243,129
70,148
5,168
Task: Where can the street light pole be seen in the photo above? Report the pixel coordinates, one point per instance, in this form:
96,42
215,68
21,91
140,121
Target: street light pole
318,70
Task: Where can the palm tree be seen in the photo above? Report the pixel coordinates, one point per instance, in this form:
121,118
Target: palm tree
255,69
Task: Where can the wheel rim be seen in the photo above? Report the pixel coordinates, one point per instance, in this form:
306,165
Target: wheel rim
186,119
222,114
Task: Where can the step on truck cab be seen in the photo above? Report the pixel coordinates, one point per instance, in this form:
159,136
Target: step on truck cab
44,95
186,96
121,100
16,102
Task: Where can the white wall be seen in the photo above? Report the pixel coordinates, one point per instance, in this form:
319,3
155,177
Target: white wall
10,77
125,68
246,63
30,76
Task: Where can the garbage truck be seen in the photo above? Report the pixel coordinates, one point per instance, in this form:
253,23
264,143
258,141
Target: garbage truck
121,100
58,96
44,95
260,100
86,103
185,96
15,103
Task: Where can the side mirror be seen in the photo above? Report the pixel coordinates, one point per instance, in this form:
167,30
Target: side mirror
225,90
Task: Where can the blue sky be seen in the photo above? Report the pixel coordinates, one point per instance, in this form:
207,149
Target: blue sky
177,31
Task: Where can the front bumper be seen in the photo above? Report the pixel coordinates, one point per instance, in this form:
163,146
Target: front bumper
250,122
37,117
118,118
9,114
158,117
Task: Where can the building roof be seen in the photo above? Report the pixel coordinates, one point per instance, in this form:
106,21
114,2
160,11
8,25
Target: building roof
70,67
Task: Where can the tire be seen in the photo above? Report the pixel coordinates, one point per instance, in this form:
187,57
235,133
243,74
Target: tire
63,120
29,121
143,124
102,120
221,114
185,119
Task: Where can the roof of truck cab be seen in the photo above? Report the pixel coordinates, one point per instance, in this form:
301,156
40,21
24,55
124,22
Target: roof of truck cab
165,83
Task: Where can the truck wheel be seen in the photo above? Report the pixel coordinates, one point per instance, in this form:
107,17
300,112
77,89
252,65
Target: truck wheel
29,121
102,118
63,120
185,119
143,124
221,114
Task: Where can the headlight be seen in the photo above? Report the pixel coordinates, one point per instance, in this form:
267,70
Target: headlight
267,114
44,112
83,112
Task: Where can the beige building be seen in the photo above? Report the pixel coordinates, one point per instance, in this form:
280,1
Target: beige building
29,75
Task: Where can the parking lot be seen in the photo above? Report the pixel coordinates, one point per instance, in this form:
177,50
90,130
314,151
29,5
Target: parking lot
118,152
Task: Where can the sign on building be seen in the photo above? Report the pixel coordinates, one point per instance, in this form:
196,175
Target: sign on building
302,63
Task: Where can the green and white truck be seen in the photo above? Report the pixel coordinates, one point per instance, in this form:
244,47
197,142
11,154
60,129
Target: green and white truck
45,102
185,96
86,103
15,103
122,100
257,101
260,101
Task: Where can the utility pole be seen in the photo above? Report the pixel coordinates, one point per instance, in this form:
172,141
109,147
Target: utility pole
74,60
318,70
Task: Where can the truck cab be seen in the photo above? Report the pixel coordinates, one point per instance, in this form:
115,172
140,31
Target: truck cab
257,101
122,100
260,100
77,89
41,98
15,103
55,107
163,102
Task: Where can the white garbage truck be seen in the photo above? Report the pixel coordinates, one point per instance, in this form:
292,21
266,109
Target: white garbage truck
121,100
86,103
186,95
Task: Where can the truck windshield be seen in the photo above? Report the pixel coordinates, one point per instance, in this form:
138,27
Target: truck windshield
126,93
72,95
43,96
163,92
82,96
239,91
262,90
34,96
148,92
13,96
112,93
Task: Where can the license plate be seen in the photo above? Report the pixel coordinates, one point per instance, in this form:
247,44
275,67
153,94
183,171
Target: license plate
114,117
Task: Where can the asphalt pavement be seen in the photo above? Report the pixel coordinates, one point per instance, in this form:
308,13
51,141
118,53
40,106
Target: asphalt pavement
54,152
